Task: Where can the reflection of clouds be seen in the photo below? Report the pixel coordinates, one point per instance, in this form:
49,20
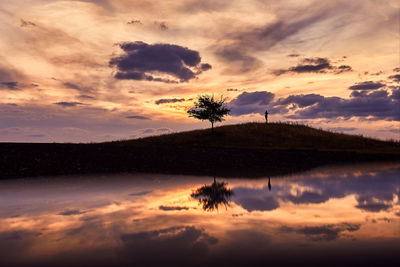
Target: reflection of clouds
72,212
168,208
130,221
174,245
375,191
261,204
322,232
372,204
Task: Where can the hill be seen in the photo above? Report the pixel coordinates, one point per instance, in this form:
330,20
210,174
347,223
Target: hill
271,136
250,149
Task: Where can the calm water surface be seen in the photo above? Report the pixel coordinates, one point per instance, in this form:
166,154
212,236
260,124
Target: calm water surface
342,216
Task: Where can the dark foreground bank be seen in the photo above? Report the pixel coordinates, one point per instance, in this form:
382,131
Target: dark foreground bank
246,150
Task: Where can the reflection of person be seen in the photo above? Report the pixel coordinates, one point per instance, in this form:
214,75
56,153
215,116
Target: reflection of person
266,116
269,183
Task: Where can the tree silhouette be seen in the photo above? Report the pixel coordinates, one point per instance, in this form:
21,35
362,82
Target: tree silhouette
207,108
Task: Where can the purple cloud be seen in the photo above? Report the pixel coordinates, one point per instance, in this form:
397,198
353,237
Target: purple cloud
142,61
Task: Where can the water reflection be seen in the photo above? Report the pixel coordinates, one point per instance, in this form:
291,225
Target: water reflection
321,217
269,183
212,196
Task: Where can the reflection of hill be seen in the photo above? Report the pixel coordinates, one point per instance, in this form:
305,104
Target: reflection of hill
214,195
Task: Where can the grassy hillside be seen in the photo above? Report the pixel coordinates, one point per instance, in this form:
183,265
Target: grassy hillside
251,149
270,136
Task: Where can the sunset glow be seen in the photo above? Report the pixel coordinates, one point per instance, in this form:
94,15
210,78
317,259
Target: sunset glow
98,70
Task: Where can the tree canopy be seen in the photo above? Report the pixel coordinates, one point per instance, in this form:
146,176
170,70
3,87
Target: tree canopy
207,108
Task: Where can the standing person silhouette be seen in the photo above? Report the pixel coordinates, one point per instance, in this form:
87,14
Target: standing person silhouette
266,116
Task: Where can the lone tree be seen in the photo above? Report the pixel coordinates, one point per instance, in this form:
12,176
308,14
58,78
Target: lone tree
206,108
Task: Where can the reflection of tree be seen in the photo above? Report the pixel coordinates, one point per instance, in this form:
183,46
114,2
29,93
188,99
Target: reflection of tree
212,196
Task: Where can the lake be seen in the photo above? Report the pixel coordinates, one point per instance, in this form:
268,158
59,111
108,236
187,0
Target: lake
331,216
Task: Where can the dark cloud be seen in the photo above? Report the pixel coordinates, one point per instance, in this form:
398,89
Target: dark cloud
86,97
26,23
377,73
16,85
365,93
69,104
300,100
168,208
165,101
395,78
141,61
293,55
137,117
71,86
254,102
328,232
396,69
378,104
368,85
9,85
134,21
343,68
77,87
315,65
396,94
312,65
205,66
71,212
232,89
12,79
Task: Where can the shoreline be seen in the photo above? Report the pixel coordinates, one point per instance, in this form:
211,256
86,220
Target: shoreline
30,160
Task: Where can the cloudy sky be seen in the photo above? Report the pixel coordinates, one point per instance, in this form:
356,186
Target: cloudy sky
95,70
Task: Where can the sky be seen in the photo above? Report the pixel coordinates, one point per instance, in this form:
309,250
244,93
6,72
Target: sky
101,70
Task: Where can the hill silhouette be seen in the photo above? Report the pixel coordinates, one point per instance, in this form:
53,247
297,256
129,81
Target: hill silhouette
250,149
272,136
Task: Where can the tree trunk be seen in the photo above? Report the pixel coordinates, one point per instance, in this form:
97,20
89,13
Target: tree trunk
212,127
